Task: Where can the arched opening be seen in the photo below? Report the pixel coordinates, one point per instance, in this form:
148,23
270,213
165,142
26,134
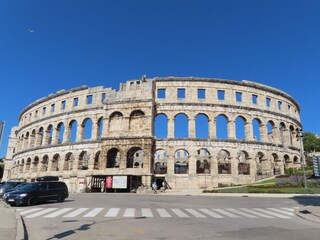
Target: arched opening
35,164
21,166
32,138
55,162
60,129
161,126
96,164
202,126
243,163
113,158
27,140
137,120
259,159
73,130
116,122
135,158
160,162
282,128
224,162
41,133
87,129
28,164
203,161
68,162
181,162
292,134
270,127
256,123
181,126
100,127
49,134
295,160
222,126
240,128
83,161
44,163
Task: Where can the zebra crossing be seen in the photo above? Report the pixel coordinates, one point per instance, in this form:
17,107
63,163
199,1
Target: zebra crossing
203,213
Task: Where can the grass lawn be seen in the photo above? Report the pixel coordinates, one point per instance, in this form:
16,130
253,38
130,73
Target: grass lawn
257,189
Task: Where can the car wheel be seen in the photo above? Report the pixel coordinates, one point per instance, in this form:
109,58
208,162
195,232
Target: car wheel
32,201
61,198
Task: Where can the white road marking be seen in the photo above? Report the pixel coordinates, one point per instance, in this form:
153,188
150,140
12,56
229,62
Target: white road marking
163,213
37,214
210,213
146,212
129,212
270,213
223,212
241,213
93,212
195,213
256,213
112,212
76,212
57,213
30,211
288,209
281,211
179,213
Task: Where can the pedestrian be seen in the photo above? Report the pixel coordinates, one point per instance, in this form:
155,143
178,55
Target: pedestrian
154,187
164,186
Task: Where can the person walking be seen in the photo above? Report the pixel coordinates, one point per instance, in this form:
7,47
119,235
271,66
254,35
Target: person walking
154,187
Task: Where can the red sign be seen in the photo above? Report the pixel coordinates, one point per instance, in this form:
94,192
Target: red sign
109,182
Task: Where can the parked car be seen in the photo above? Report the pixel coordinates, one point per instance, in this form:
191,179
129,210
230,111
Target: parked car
46,189
8,186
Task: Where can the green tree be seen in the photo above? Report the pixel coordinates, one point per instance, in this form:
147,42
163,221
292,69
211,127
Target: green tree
311,142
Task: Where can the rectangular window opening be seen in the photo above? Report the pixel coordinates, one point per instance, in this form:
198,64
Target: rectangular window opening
75,102
89,99
63,105
103,97
201,93
254,99
161,93
221,94
52,107
279,105
44,109
238,96
268,102
181,93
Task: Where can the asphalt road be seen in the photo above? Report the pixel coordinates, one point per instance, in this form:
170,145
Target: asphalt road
131,216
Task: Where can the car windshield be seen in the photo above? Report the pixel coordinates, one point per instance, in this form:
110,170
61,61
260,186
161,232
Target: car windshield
29,186
10,184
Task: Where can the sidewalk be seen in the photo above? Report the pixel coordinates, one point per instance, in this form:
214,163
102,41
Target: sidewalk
310,213
11,227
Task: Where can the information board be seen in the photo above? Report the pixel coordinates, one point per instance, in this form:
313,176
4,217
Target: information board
119,182
316,165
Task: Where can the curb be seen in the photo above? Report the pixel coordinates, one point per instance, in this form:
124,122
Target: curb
20,235
306,216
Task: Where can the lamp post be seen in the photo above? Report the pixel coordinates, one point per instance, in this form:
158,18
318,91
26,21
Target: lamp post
302,158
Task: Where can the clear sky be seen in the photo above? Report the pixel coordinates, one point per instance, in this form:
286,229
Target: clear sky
46,46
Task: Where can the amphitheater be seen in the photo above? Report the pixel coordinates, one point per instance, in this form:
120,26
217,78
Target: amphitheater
182,132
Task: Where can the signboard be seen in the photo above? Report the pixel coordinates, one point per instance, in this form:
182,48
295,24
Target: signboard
109,182
316,165
119,182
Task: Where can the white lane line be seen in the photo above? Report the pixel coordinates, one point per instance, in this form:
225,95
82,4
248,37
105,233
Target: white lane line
93,212
57,213
146,212
195,213
163,213
270,213
37,214
288,209
210,213
20,209
112,212
179,213
241,213
256,213
76,212
30,211
281,211
129,212
223,212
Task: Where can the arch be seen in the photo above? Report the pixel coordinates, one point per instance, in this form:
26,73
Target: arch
83,162
243,163
135,157
202,126
96,164
116,121
60,129
270,132
113,158
27,140
181,162
35,164
28,164
55,162
292,133
181,129
32,138
286,158
203,162
87,128
224,162
41,135
49,134
137,120
256,123
282,129
240,127
68,162
44,163
100,127
222,126
160,162
161,126
275,157
295,160
73,125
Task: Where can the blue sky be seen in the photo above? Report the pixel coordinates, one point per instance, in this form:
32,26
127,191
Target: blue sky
75,43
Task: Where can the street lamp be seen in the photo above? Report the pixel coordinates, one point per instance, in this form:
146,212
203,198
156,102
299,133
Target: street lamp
302,158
